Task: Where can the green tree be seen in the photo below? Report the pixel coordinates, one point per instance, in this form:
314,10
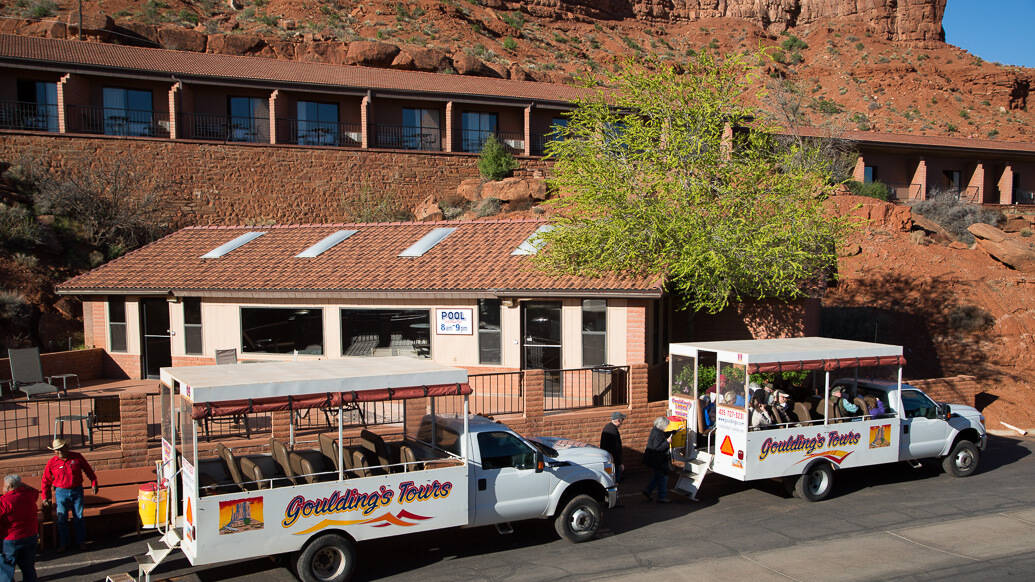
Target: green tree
495,162
653,185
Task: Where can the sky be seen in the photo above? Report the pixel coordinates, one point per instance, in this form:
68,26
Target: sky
995,30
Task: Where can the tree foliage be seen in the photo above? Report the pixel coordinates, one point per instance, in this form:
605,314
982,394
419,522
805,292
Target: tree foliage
495,162
652,182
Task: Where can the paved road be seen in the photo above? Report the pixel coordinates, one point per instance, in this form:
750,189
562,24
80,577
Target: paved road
888,523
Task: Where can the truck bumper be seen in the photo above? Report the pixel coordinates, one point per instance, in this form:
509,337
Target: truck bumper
612,496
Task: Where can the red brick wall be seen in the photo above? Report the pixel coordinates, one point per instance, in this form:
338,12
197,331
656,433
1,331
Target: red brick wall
636,332
95,325
122,366
217,183
759,320
88,364
958,389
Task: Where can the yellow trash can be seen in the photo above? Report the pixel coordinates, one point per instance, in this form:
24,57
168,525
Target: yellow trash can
151,504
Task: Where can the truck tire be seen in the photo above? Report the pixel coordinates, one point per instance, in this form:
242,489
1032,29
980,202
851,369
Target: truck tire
579,520
816,483
328,558
963,460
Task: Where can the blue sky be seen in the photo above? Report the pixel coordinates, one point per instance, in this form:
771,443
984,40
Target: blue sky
995,30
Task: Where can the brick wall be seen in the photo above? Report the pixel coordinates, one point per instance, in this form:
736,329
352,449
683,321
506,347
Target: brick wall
759,320
217,183
958,389
88,364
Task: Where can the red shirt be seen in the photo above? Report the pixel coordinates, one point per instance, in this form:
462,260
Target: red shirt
66,473
18,517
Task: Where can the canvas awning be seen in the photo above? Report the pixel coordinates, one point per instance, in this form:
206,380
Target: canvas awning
828,365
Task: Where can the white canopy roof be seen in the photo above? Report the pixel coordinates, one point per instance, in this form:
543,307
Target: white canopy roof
297,378
795,349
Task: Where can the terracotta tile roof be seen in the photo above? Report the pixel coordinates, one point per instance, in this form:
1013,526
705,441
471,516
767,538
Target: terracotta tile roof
927,141
475,258
77,54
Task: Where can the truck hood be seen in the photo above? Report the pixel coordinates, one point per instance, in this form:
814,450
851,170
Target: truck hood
574,451
968,412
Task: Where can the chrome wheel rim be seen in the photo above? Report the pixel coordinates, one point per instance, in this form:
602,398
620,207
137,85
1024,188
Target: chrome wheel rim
328,563
964,460
582,520
818,482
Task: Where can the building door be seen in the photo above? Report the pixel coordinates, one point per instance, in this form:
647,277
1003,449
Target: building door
156,344
541,330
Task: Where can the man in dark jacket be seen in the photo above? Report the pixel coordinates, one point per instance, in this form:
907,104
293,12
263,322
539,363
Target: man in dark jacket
19,525
611,441
656,456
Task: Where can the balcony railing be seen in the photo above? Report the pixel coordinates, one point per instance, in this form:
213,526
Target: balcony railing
116,121
319,133
539,141
585,387
472,140
403,137
28,116
225,128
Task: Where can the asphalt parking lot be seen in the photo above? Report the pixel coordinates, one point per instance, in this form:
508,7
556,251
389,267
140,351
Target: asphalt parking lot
891,522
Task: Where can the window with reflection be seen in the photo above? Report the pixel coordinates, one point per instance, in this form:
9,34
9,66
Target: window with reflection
490,341
282,330
594,332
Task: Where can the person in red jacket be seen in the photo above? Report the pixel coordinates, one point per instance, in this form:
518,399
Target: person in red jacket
19,525
65,472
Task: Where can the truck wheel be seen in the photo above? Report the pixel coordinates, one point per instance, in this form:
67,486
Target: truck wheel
816,483
962,461
329,558
579,520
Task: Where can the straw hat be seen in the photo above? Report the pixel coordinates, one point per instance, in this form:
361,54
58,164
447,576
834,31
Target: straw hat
58,444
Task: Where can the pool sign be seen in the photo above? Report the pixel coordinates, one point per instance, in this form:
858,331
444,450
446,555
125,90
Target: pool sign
458,321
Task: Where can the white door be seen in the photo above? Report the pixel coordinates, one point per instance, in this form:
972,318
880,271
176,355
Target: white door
923,432
506,485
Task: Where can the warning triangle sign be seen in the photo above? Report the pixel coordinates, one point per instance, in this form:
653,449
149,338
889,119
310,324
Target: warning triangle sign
727,446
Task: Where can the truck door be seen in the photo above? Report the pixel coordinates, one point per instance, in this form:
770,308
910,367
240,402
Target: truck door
507,487
923,432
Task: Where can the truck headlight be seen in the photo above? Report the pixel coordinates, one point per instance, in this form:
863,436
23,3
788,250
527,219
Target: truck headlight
609,468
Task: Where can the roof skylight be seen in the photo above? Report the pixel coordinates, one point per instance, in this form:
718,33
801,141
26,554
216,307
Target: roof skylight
326,244
533,243
427,242
234,244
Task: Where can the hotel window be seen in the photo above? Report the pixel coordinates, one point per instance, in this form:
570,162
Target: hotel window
475,129
117,323
192,326
420,130
386,332
594,332
317,123
249,119
870,174
128,112
282,330
36,108
951,179
489,332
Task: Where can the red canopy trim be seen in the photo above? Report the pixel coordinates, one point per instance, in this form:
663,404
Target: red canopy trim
327,400
827,365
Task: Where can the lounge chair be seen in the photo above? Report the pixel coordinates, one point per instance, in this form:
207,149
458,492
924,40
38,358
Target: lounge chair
27,373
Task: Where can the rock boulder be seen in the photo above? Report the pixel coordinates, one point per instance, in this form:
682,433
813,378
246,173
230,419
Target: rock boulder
515,190
371,54
181,39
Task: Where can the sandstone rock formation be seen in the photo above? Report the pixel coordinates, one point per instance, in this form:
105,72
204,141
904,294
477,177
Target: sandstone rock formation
374,54
1013,252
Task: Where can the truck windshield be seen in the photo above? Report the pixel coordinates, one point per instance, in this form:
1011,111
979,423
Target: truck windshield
547,451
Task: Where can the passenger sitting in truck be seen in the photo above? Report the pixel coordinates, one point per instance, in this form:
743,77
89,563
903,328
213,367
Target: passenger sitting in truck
759,416
708,410
874,406
783,409
843,405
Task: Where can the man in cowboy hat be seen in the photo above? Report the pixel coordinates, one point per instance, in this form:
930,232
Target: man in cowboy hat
65,472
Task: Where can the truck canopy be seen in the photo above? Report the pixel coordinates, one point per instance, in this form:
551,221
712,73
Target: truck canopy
798,353
267,386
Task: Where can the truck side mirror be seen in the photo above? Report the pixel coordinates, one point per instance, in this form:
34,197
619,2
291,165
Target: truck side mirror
945,410
540,464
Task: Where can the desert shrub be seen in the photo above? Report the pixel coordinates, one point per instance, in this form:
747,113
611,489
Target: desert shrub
826,106
1026,232
452,208
793,43
878,190
515,19
970,318
955,216
368,205
495,162
18,228
42,9
488,207
510,44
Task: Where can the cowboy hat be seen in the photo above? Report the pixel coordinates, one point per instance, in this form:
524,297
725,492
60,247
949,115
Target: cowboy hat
58,444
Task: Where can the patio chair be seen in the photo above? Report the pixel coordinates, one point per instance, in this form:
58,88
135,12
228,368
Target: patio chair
227,356
105,415
27,373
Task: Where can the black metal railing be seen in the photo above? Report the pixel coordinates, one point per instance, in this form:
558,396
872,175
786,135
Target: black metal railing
28,116
319,133
585,387
29,426
225,128
497,393
116,121
403,137
472,140
154,417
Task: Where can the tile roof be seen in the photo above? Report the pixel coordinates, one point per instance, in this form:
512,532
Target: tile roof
925,141
72,53
475,258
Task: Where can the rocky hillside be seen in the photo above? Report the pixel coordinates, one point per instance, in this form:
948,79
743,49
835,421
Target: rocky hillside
878,65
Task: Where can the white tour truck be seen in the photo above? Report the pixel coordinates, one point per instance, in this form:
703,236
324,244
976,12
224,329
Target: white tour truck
443,468
712,384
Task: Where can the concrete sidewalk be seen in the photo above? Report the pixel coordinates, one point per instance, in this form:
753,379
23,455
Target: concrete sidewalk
944,548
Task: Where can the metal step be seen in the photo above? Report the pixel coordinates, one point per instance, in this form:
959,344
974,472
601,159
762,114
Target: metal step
158,552
123,577
145,563
173,537
694,473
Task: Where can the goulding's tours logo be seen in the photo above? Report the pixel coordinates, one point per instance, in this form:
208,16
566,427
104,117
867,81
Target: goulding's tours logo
365,504
809,445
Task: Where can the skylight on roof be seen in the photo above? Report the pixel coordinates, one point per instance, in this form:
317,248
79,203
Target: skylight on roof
326,244
534,242
427,242
234,244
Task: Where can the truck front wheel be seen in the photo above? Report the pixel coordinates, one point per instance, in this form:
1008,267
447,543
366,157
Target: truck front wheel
579,520
962,461
816,483
329,558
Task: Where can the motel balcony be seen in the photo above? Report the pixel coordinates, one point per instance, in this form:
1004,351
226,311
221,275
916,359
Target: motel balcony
28,116
402,137
116,121
223,128
319,133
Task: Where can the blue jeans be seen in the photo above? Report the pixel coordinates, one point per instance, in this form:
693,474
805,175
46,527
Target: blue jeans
69,500
21,553
660,482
